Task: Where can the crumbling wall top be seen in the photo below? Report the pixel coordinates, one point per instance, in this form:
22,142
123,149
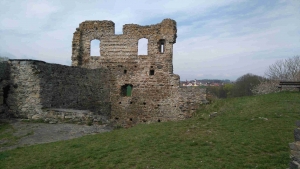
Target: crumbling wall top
166,27
106,27
88,24
159,40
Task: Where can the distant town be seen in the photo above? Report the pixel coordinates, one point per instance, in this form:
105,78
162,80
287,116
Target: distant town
205,82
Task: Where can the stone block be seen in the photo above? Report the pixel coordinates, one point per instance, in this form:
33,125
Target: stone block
298,123
24,62
297,134
295,146
53,121
60,115
69,117
213,114
37,116
294,165
296,154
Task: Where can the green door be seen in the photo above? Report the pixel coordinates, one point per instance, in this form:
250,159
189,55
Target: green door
128,92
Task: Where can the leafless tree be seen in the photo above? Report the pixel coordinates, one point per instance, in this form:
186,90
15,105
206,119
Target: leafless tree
287,69
3,59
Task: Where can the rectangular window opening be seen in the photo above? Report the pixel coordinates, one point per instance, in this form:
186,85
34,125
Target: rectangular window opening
126,90
161,46
151,72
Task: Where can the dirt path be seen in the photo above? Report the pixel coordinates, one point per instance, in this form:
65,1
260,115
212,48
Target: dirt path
38,133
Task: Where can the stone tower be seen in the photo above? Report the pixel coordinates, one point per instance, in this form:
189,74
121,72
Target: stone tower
143,87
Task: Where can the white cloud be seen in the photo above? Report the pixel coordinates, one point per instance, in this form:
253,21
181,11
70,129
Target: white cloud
39,9
226,38
230,41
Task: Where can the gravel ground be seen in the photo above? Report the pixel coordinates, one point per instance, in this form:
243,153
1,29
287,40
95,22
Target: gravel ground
39,133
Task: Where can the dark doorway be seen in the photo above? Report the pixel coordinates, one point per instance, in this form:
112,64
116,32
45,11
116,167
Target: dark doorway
5,94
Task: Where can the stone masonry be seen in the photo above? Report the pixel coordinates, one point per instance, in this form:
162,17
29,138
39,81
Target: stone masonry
33,88
295,148
156,95
118,85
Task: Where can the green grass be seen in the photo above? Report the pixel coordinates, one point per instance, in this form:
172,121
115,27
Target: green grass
249,132
6,135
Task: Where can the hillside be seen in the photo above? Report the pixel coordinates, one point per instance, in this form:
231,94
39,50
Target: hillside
248,132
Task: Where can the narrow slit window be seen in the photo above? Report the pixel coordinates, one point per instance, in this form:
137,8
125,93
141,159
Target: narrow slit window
95,48
5,94
143,46
125,71
161,47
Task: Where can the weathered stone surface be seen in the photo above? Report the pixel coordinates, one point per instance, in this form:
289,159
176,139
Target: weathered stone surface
213,114
97,83
295,149
53,121
156,95
36,117
298,123
297,134
294,165
42,85
295,146
296,154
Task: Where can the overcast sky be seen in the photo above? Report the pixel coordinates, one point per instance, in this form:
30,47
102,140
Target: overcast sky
217,39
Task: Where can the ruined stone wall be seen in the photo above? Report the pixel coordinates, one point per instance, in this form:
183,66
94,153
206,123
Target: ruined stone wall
97,83
156,95
36,86
4,87
189,99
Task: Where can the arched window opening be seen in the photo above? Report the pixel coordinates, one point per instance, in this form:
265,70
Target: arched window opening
126,90
143,46
161,46
95,48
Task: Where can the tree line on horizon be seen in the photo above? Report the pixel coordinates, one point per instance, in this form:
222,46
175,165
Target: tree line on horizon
250,84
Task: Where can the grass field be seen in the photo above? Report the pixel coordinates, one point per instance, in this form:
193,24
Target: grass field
248,132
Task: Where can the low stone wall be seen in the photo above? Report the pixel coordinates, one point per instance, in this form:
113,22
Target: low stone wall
53,116
36,85
4,85
191,98
295,148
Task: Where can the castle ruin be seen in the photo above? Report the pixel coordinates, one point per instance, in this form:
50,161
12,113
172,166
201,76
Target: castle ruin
119,85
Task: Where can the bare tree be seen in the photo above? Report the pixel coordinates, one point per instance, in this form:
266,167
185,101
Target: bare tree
287,69
3,59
